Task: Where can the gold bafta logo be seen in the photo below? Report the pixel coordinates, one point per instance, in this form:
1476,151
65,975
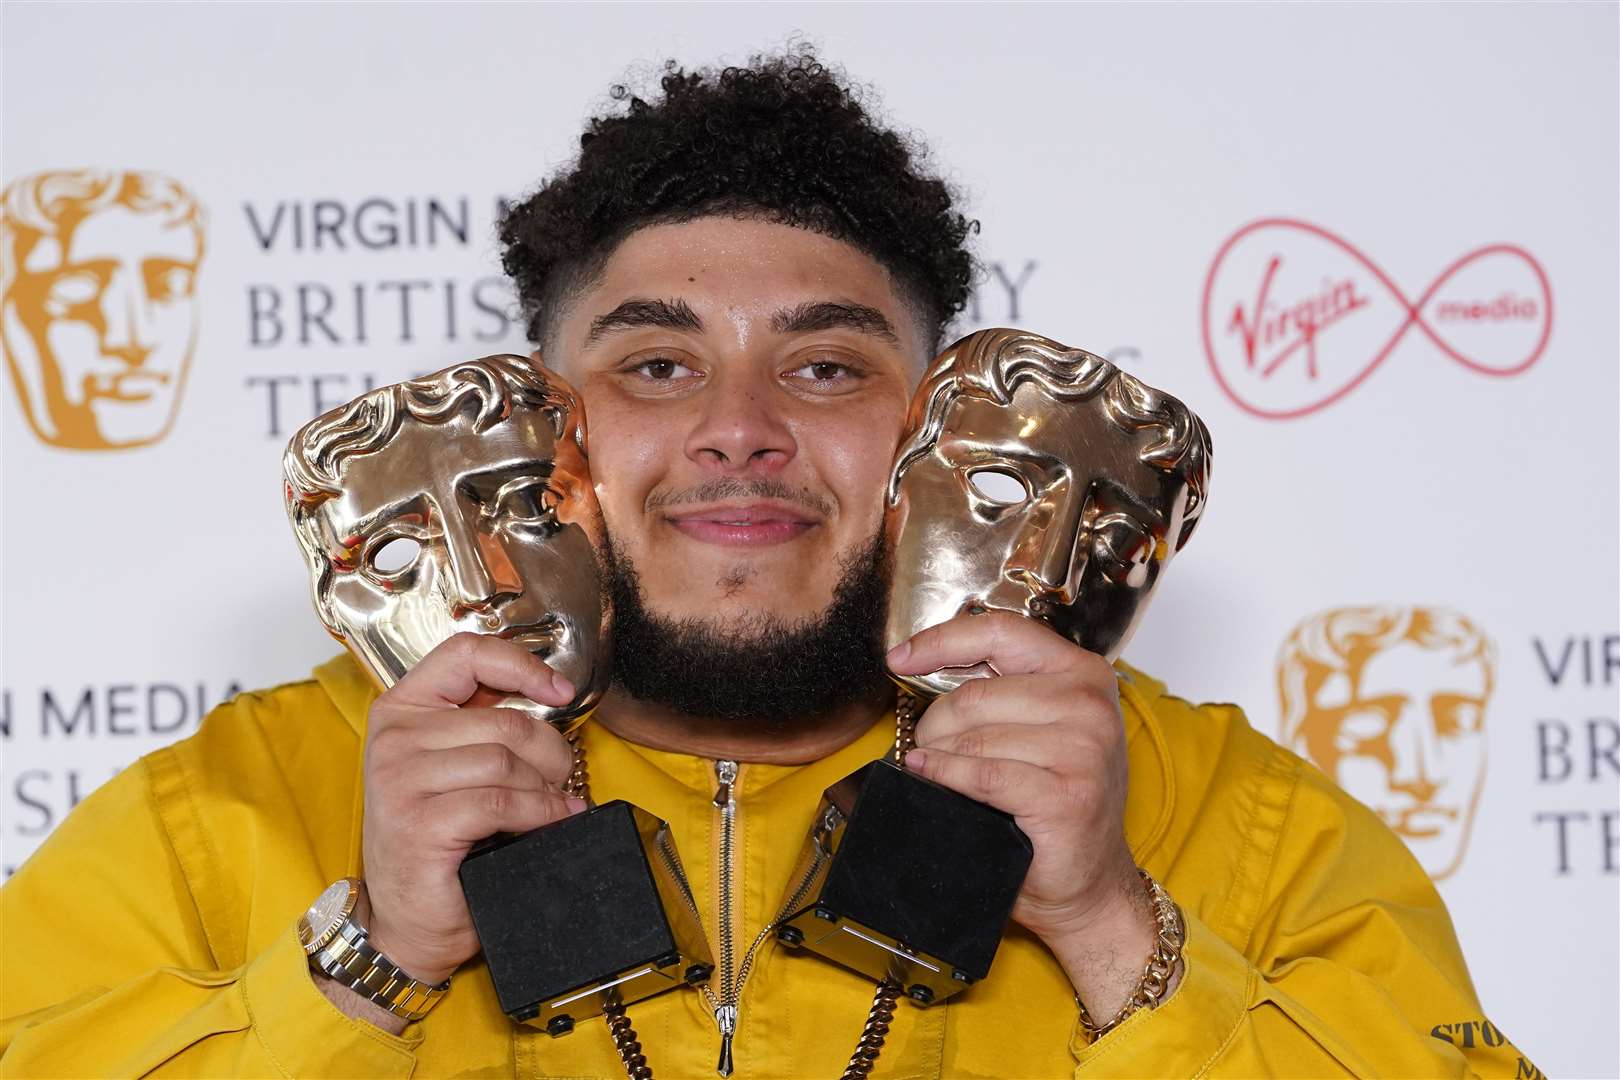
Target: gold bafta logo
98,302
1390,703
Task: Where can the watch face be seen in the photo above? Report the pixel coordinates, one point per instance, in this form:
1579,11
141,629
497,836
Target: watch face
323,917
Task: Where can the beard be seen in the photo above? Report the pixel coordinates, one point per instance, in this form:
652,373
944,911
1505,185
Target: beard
762,674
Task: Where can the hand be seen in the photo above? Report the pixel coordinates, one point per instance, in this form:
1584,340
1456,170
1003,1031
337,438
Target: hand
443,770
1045,742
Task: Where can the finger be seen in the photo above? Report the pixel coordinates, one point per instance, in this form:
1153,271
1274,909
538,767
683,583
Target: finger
1012,644
1016,787
1017,699
535,741
460,665
476,765
1045,745
471,814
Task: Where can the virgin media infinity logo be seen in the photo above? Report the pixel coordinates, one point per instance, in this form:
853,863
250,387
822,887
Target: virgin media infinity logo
1295,317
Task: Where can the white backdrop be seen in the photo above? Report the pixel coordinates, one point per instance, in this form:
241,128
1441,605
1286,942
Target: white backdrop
1408,361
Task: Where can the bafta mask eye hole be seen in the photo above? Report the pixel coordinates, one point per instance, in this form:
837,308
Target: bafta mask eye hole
1362,725
74,288
395,555
1001,486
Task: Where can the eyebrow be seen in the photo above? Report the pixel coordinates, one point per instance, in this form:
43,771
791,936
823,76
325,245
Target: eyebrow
639,311
829,314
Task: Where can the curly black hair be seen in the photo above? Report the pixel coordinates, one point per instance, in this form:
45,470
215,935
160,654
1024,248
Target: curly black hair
786,139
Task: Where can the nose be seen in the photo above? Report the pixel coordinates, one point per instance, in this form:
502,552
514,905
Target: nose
473,582
1414,753
126,314
1043,558
739,428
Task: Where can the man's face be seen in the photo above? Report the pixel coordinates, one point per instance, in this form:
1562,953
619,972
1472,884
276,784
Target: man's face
1408,740
446,530
746,384
99,327
1040,507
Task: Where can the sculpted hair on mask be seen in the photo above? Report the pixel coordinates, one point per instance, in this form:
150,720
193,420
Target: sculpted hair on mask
764,674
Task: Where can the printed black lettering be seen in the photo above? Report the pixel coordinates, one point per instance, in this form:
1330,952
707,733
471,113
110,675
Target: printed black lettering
84,712
22,789
272,385
117,706
1562,818
328,217
1609,825
1566,764
261,312
405,288
1599,730
1014,288
1488,1032
5,713
265,236
166,719
1526,1071
437,214
374,232
314,305
495,309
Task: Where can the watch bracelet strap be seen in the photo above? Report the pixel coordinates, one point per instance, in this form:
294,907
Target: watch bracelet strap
350,960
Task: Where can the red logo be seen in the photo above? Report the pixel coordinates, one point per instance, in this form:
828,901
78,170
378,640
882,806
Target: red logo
1295,317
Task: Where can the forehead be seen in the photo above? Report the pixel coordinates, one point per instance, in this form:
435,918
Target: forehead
1410,668
433,460
121,233
739,267
1075,432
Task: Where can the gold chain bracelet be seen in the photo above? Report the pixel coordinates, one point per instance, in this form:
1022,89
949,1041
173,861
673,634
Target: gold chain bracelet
1161,965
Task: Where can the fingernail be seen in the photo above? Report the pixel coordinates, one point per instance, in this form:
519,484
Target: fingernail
898,654
562,685
574,805
916,759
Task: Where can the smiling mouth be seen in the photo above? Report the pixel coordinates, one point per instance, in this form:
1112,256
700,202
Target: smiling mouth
745,525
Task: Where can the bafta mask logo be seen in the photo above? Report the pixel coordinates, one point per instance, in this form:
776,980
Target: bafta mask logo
98,303
1390,702
457,502
1042,480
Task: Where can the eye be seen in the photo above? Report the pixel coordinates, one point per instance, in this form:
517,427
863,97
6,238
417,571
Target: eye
824,371
527,502
390,556
167,280
662,369
72,290
1361,726
1122,548
1000,486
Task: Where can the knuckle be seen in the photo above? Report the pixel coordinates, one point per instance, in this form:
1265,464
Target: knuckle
512,727
990,775
496,802
969,743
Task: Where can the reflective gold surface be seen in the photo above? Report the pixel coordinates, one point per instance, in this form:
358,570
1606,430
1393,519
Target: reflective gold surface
1042,480
460,501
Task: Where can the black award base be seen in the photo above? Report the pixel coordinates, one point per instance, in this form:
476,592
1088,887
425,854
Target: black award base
908,881
587,911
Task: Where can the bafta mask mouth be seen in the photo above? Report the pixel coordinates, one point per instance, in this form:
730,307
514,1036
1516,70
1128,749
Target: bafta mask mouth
542,638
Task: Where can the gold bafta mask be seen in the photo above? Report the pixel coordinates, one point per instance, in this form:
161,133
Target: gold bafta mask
1042,480
98,303
1390,703
460,501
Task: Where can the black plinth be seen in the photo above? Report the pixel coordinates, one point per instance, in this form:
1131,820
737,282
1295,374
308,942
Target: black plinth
908,881
585,911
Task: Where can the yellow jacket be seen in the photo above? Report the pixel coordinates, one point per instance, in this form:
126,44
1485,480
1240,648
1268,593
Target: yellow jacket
153,933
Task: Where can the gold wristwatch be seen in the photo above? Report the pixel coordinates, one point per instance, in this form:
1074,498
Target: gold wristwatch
336,946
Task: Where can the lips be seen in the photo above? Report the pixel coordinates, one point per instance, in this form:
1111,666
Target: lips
744,525
541,639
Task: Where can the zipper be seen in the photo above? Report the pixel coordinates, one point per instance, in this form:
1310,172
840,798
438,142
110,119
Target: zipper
732,975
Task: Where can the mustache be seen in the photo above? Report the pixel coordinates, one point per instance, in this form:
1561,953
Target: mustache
719,488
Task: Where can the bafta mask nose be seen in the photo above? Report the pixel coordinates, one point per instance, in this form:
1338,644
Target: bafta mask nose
125,313
473,585
1412,770
1044,559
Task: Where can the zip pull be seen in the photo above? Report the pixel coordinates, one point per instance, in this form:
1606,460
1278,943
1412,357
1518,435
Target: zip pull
725,1017
726,772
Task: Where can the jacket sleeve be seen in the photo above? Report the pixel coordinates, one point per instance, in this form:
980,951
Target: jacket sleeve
1330,955
109,968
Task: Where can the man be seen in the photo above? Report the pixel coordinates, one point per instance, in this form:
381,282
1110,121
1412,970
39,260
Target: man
744,279
98,287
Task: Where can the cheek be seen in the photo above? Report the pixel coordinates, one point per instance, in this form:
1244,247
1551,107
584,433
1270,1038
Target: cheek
851,455
631,450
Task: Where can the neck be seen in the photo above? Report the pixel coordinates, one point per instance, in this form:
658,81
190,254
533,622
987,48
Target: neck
664,729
